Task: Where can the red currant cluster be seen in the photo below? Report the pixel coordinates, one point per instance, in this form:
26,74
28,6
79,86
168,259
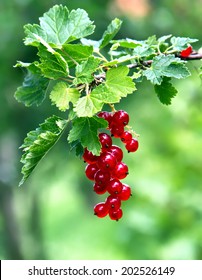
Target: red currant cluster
107,169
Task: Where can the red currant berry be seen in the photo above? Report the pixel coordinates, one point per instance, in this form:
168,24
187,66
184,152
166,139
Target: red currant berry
117,152
121,118
113,202
114,187
120,171
132,145
90,171
101,177
116,131
106,161
186,52
89,157
99,189
105,140
125,193
106,116
101,210
126,137
116,215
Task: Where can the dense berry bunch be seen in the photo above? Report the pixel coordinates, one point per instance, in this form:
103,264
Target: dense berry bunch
107,169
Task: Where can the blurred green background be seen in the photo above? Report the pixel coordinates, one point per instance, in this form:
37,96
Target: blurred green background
51,216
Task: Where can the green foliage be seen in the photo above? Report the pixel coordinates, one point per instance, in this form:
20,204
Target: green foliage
166,66
38,142
33,89
180,44
86,79
165,91
110,32
62,95
117,85
52,63
85,130
58,26
84,71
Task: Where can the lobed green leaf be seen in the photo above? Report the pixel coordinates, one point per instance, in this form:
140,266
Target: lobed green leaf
118,84
61,95
75,53
39,142
110,32
166,65
118,81
85,70
58,26
181,43
85,130
87,106
33,89
53,65
165,91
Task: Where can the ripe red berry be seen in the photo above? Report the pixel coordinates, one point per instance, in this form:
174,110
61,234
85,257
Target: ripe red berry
106,161
125,193
101,210
120,171
120,118
117,152
89,157
132,145
113,202
90,171
116,131
116,215
186,52
105,140
99,189
114,187
102,177
106,116
126,137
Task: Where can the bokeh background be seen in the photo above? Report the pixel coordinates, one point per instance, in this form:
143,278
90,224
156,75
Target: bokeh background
51,215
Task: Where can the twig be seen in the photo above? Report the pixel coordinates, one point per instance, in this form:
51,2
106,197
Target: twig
192,56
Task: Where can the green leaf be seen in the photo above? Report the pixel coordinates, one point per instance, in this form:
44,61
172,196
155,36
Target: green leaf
86,131
117,85
126,43
181,43
53,65
75,53
76,145
165,91
177,71
91,43
38,142
143,51
87,106
58,26
85,70
151,41
33,89
166,65
164,38
102,94
111,31
118,82
62,95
